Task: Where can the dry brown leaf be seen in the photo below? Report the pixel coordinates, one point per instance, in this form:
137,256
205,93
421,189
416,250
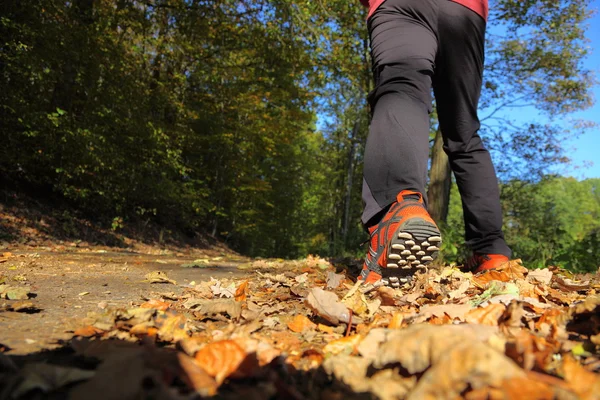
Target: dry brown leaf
515,269
461,290
144,329
454,311
334,280
543,276
301,323
492,275
396,322
486,315
241,293
566,284
346,345
356,303
88,331
158,277
419,346
466,365
387,295
514,388
172,327
196,377
581,381
221,359
531,351
156,304
328,306
285,340
209,308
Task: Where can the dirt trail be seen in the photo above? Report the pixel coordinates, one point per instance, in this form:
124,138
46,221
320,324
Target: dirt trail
69,283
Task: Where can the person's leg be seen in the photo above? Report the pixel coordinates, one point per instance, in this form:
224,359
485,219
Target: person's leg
404,238
403,48
457,87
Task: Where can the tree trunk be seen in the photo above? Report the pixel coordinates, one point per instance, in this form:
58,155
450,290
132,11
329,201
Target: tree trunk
439,181
349,182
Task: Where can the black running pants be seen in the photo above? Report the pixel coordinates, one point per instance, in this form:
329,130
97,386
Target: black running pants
417,45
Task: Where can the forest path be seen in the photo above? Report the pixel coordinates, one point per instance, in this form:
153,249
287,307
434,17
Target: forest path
66,285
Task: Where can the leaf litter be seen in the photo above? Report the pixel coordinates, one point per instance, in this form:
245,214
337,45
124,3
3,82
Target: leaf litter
303,330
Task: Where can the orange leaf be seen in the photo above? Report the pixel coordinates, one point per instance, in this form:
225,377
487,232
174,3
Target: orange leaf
325,328
492,275
515,269
221,359
156,304
526,388
301,323
241,292
583,382
88,331
485,316
530,351
347,345
396,322
196,377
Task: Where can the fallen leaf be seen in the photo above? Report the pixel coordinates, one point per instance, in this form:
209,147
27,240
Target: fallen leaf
196,377
221,291
570,285
215,307
301,323
515,269
158,277
531,351
417,347
334,280
241,293
220,359
302,278
396,322
543,276
584,383
14,292
346,345
454,311
485,315
492,275
87,331
83,294
356,303
328,306
172,328
156,304
466,365
461,290
387,295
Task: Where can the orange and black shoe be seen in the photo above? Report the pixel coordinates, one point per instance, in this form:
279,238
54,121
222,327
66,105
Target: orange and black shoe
406,240
485,262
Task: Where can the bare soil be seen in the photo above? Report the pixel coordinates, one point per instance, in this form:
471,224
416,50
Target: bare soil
70,283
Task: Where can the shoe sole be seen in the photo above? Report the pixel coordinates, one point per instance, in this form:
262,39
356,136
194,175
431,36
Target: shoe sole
412,248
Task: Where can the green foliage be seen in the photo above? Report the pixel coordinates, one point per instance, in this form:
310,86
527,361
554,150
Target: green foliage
553,222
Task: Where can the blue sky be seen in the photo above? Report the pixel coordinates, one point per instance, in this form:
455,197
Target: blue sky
584,150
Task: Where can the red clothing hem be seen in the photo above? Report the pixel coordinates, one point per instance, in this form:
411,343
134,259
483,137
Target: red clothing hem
479,6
